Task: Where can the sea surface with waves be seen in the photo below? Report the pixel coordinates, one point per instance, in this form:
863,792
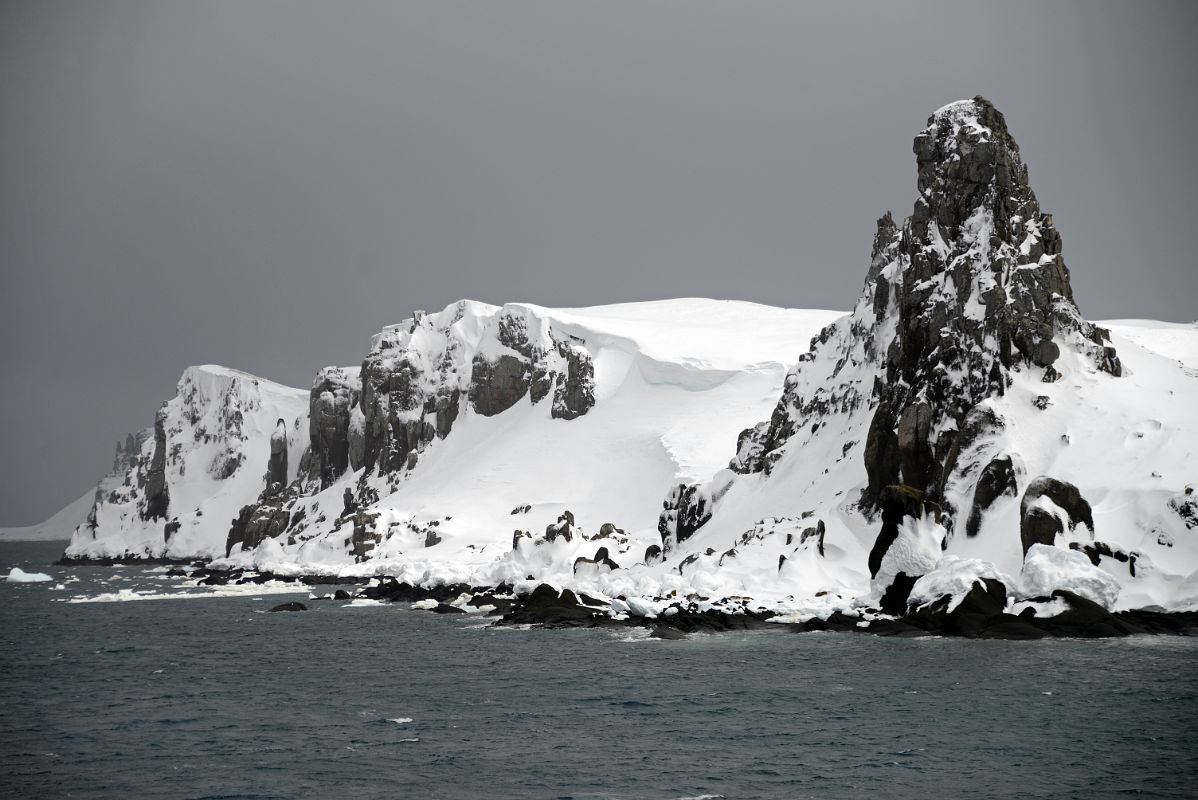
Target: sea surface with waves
212,697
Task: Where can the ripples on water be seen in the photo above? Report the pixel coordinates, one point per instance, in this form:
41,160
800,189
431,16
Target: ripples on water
213,698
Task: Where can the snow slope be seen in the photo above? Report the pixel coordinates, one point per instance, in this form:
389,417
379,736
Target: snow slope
59,526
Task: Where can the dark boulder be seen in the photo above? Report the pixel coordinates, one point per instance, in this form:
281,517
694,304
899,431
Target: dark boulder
1085,619
547,607
996,480
290,607
980,608
1039,525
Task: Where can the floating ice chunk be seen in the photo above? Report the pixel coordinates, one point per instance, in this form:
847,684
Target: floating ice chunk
425,605
400,720
18,575
1046,569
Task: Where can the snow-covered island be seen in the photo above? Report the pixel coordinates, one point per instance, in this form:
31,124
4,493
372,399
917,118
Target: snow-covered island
962,453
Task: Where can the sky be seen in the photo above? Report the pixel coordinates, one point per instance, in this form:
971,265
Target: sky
264,185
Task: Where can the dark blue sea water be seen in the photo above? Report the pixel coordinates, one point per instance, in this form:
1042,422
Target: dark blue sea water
213,698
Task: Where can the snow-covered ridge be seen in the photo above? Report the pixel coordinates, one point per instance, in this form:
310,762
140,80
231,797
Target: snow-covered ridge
665,376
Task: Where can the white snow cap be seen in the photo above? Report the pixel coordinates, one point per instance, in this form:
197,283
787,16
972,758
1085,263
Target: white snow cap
1046,569
955,577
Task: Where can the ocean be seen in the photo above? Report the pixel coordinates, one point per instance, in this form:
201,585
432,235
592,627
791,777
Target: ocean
215,698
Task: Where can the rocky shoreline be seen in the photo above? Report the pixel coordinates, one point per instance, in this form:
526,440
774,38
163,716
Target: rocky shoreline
980,614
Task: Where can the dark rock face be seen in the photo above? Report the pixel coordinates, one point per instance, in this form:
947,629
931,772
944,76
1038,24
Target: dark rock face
332,401
536,368
411,395
255,523
997,480
686,509
365,537
1038,525
276,470
574,389
914,448
496,386
157,495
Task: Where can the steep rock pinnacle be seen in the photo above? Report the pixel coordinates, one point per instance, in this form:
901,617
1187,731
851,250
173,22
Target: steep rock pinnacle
969,288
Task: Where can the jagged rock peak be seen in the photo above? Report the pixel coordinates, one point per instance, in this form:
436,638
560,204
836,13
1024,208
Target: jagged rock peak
982,288
969,288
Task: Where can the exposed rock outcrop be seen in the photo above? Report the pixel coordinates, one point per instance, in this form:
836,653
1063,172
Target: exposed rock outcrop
685,510
1050,507
276,467
997,479
156,492
335,433
420,373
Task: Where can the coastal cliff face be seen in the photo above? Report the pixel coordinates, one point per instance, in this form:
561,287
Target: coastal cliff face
225,437
962,423
411,389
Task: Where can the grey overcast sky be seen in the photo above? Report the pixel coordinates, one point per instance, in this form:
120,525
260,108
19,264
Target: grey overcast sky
265,184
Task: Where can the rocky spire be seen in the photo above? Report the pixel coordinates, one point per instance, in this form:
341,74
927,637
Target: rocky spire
969,289
981,289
